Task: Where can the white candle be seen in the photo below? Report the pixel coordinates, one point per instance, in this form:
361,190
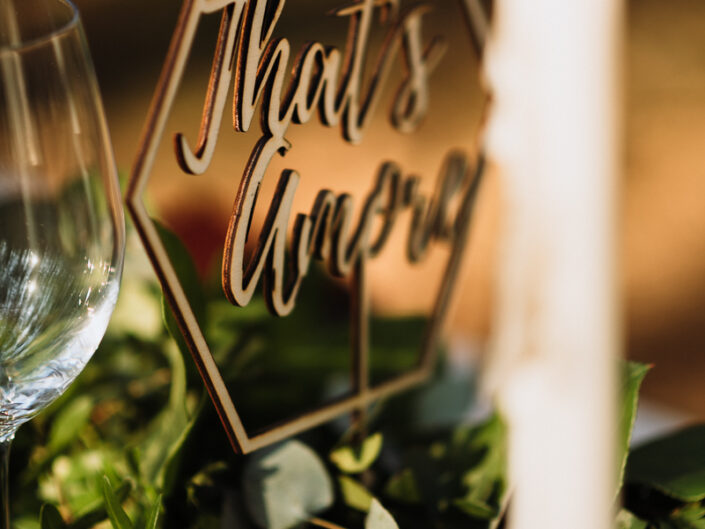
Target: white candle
552,66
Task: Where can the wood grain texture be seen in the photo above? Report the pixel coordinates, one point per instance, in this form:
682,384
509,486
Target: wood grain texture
326,82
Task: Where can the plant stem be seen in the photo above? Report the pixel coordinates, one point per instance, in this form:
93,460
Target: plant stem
318,522
5,484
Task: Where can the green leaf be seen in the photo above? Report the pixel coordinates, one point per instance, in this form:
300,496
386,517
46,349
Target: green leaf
26,522
678,522
402,487
153,517
476,508
190,283
99,512
632,376
349,462
691,511
485,482
440,403
379,517
50,518
286,485
355,495
626,520
673,465
688,516
118,517
69,422
160,450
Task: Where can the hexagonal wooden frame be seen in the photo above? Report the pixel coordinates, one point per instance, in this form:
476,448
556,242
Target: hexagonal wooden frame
363,395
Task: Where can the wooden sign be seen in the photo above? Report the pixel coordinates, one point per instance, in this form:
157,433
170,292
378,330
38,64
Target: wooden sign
339,87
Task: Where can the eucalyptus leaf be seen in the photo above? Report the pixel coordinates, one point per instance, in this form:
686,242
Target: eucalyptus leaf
440,403
379,517
50,518
354,494
352,461
673,465
286,485
116,514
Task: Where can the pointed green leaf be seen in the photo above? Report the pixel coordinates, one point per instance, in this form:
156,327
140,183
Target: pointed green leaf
355,495
674,465
379,517
50,518
118,517
476,508
96,514
185,269
153,517
633,374
350,462
161,449
69,423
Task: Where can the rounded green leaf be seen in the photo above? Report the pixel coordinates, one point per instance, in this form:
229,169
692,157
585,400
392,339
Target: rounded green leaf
379,517
286,485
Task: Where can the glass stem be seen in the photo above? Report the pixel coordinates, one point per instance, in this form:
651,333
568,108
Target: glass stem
5,484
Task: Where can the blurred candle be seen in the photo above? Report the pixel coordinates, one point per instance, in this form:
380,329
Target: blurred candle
552,66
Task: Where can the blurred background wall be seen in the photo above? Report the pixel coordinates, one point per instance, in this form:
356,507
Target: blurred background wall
662,227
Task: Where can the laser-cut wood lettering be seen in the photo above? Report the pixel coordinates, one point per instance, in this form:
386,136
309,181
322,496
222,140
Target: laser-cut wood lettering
327,82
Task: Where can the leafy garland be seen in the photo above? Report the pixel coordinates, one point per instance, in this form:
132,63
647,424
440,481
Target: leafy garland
135,443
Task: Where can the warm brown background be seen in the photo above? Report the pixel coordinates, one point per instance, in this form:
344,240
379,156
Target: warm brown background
662,224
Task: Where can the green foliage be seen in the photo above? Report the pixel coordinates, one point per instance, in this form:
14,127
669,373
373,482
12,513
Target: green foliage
379,518
118,517
135,443
674,465
632,376
350,462
153,517
665,481
286,485
50,518
68,423
354,494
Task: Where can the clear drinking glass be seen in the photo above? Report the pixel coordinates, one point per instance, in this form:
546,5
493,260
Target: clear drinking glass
61,221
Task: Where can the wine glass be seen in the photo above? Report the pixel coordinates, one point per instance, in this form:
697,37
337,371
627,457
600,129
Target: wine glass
61,223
